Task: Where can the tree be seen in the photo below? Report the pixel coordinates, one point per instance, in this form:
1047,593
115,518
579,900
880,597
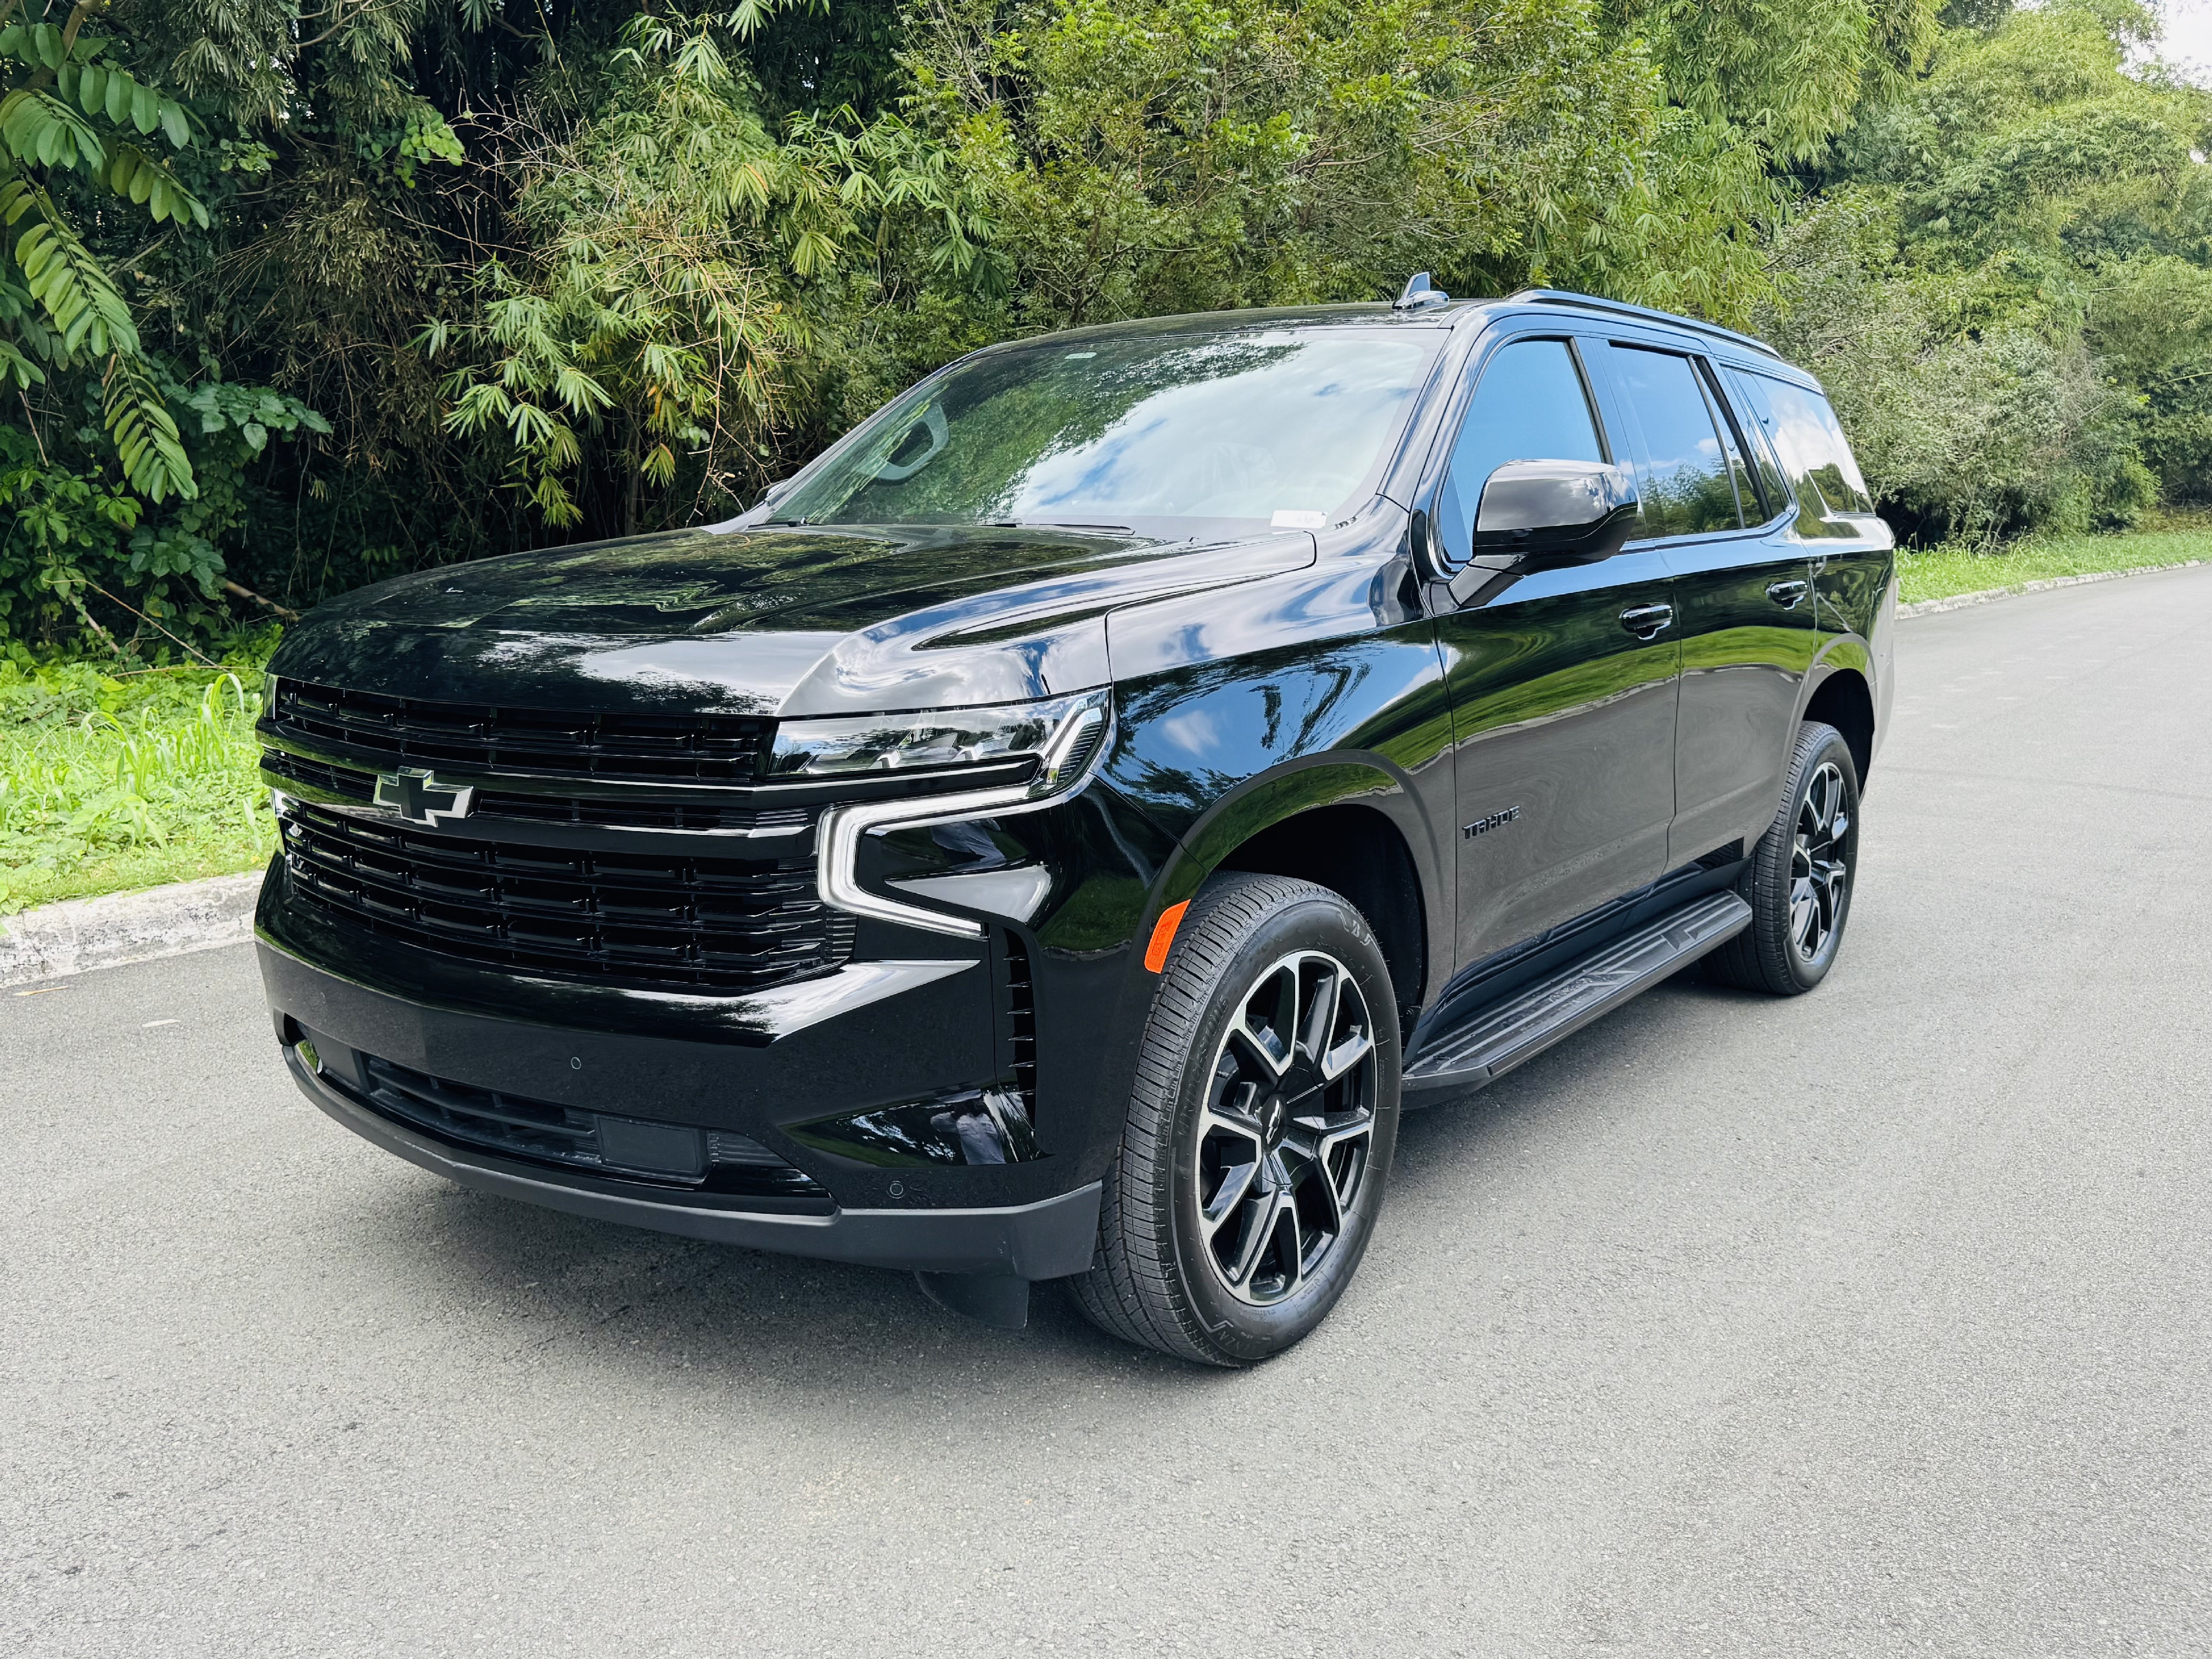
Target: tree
1186,154
507,274
2008,283
677,255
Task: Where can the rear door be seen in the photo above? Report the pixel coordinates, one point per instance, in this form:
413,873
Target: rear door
1849,546
1562,682
1742,583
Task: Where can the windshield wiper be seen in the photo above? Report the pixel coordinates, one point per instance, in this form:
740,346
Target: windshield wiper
1054,523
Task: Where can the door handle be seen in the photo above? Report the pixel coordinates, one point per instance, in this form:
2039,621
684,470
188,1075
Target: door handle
1645,621
1787,594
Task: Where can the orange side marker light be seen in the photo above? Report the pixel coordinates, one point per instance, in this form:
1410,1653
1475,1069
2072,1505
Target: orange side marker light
1164,933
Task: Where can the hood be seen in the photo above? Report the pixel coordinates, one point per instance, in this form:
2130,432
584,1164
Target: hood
775,622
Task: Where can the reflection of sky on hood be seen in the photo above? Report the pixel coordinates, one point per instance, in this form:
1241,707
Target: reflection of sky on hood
752,676
1297,434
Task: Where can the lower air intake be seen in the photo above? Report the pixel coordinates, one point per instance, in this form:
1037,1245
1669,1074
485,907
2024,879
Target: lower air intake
630,1149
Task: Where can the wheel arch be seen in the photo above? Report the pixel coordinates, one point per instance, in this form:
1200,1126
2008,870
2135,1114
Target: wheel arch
1344,824
1843,698
1353,850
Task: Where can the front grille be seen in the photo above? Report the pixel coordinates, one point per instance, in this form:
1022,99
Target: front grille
674,1154
394,732
352,785
711,924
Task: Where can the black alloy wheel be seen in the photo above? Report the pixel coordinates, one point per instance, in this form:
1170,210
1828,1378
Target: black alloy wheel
1801,875
1258,1145
1820,865
1284,1139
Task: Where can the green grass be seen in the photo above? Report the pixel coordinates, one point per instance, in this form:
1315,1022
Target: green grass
1942,572
113,782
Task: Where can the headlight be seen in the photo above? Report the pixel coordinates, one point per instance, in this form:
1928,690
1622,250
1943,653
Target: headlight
1058,741
1058,734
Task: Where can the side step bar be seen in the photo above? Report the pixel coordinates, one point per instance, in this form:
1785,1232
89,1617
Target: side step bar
1495,1038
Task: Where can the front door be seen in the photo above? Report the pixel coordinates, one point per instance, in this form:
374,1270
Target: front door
1742,594
1562,682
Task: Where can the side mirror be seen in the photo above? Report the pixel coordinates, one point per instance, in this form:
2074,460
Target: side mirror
1556,513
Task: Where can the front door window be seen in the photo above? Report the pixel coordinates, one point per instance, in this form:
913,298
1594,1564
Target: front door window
1530,406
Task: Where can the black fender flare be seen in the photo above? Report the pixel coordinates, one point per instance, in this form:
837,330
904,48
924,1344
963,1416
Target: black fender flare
1306,784
1841,652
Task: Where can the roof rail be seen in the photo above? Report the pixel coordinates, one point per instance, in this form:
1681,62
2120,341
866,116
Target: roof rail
1553,296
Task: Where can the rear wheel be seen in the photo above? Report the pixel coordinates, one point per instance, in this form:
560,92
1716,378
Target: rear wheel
1801,873
1261,1130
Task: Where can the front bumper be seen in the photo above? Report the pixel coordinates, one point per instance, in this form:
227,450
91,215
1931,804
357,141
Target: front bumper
1049,1239
1033,1220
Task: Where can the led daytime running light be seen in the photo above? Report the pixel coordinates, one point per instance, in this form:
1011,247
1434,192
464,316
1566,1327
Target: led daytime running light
925,740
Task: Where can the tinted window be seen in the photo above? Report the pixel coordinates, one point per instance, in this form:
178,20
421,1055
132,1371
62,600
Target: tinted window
1530,406
1771,483
1732,441
1810,439
1281,428
1681,469
1811,445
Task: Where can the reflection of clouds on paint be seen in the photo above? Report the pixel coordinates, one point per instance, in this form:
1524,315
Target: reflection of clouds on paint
751,675
1194,731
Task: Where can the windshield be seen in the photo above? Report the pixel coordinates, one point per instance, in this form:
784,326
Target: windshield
1283,429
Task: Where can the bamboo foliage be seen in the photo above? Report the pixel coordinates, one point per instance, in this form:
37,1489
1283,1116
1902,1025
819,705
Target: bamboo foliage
660,314
70,107
515,274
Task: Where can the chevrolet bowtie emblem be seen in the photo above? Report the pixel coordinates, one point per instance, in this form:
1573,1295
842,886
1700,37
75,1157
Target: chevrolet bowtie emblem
419,798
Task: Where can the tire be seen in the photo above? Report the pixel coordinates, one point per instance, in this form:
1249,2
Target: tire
1191,1260
1801,874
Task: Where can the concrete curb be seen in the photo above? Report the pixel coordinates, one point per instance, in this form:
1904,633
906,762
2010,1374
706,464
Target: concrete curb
1960,601
77,935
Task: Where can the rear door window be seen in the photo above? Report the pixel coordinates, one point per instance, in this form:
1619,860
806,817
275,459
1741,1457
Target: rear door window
1682,471
1757,505
1530,406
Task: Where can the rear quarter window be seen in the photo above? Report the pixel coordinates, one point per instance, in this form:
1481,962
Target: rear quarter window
1810,443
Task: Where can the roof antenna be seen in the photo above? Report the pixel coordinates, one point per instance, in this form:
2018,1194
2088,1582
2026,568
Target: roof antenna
1420,290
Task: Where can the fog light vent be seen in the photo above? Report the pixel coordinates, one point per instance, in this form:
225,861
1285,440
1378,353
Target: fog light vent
969,1126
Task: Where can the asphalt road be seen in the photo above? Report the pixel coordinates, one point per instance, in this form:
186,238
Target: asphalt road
1871,1323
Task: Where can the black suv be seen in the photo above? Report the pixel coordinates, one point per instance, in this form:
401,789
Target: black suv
1052,834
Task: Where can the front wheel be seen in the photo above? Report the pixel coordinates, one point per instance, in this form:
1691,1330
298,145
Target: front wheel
1801,873
1261,1129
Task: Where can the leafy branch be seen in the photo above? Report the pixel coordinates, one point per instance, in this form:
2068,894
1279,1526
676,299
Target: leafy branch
69,108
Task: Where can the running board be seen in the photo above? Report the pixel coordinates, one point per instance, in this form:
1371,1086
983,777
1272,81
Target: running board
1494,1039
